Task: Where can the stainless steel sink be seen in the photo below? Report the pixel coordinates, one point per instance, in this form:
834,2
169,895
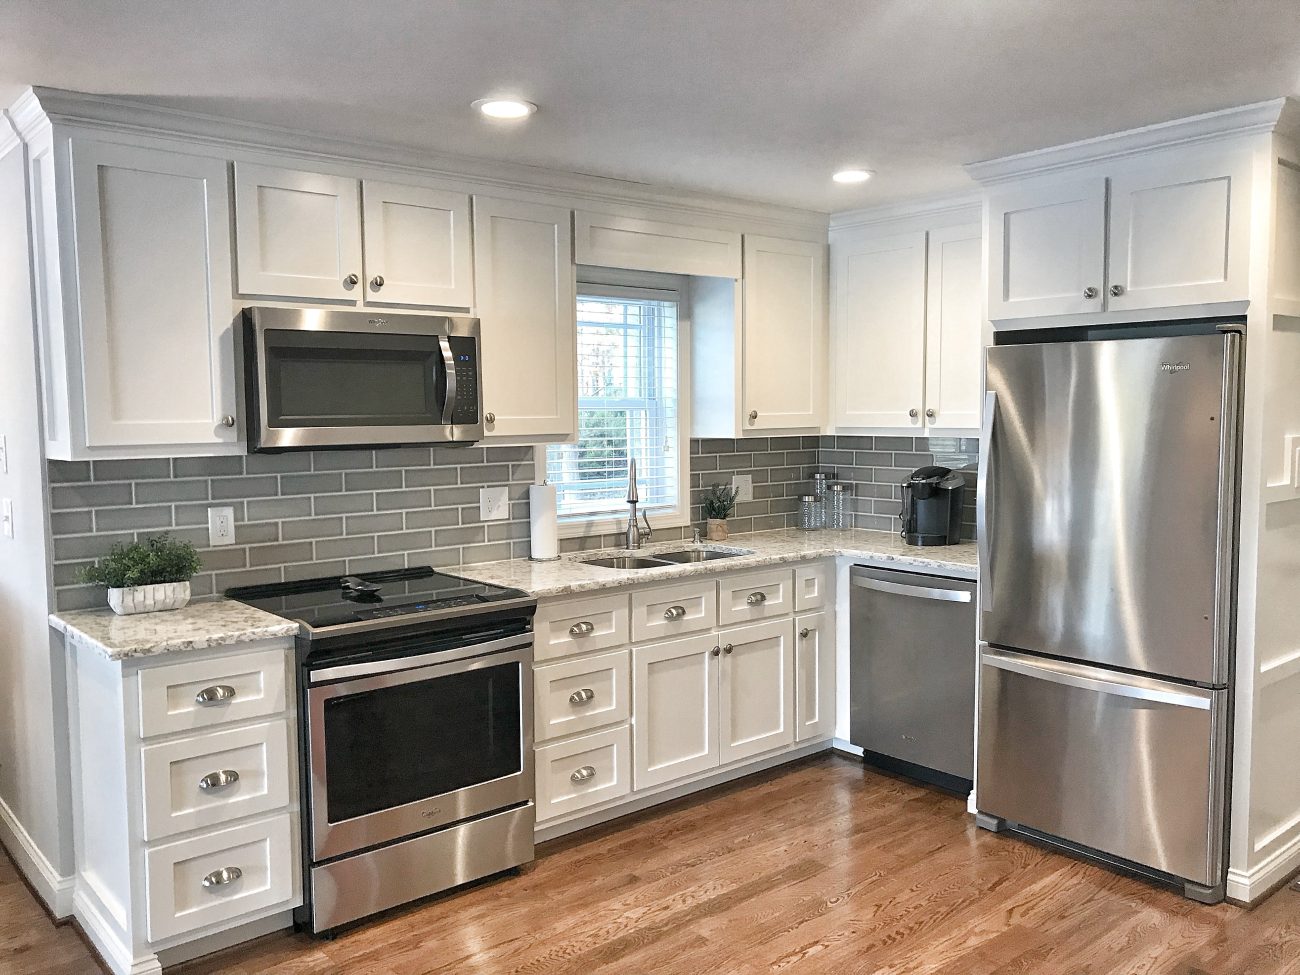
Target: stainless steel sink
627,562
687,556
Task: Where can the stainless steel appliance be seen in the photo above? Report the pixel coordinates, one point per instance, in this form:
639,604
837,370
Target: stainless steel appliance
932,500
912,674
416,724
1107,536
316,378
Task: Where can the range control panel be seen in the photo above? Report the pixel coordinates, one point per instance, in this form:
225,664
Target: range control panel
464,353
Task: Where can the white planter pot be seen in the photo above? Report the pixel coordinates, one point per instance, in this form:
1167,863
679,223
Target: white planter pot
149,599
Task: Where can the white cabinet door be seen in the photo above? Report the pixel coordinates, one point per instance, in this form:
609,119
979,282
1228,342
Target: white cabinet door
297,234
783,334
523,261
1180,234
1047,249
756,692
674,708
418,249
153,277
879,330
814,677
954,329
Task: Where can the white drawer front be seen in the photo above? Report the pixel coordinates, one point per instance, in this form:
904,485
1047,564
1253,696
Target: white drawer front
810,585
666,612
579,695
244,685
183,780
568,626
578,774
264,853
755,596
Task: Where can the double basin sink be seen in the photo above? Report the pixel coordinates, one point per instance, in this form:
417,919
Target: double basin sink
661,559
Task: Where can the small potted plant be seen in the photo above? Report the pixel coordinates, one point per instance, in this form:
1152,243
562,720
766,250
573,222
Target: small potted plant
146,577
719,502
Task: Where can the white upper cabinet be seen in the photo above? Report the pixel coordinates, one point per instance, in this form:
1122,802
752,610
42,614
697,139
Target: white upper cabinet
526,305
298,234
153,288
1179,234
1047,249
417,243
608,240
783,357
954,331
879,330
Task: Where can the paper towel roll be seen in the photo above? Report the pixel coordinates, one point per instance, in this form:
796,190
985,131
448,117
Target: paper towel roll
542,527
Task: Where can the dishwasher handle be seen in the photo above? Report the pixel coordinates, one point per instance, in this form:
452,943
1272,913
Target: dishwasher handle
919,592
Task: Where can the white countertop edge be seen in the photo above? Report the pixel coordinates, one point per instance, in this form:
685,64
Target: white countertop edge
149,646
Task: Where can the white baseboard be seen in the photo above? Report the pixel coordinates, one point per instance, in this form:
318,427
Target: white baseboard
100,931
846,747
1248,886
50,886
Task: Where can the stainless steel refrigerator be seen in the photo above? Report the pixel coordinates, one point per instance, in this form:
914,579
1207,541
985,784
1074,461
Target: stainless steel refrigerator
1107,552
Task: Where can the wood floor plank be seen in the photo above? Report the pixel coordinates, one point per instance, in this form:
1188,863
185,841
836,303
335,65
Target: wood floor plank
818,868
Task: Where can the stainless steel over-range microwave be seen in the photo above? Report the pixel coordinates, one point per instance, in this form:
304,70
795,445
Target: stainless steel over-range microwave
315,378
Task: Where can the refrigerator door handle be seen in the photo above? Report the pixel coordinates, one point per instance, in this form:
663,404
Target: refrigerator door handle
1091,679
983,505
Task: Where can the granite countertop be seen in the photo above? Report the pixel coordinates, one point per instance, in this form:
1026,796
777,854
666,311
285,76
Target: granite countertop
568,575
222,622
215,623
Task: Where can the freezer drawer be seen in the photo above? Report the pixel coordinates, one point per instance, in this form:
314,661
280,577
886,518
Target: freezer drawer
912,661
1129,766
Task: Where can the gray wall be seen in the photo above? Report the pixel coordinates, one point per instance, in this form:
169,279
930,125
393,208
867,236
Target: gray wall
336,512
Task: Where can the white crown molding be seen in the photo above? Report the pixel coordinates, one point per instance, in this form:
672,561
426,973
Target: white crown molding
1261,117
27,115
949,205
98,111
9,137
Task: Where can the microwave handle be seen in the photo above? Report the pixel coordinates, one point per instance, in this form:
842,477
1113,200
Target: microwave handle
449,369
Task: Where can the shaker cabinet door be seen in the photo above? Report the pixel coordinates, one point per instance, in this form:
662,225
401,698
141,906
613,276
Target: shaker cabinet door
523,260
297,234
756,696
153,281
814,677
675,704
1047,249
954,332
418,249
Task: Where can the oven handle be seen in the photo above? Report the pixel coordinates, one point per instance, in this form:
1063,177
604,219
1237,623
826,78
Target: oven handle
377,668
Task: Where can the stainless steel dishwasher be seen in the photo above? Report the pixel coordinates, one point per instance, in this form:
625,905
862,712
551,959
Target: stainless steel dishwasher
912,663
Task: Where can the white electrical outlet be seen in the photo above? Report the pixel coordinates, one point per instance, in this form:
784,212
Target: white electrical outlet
743,485
221,526
493,503
7,517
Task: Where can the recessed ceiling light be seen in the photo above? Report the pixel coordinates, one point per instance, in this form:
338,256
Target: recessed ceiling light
508,109
852,176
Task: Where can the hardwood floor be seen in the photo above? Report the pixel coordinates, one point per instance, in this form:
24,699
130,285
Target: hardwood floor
820,867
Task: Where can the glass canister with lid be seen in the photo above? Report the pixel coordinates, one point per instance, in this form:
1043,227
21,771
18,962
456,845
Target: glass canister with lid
812,512
837,505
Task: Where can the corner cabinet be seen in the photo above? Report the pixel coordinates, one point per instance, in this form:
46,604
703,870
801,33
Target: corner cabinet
134,284
907,333
523,254
1168,230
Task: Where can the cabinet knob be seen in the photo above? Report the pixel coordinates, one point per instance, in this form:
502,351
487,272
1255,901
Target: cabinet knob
219,878
582,695
930,414
376,282
674,612
583,774
218,780
227,420
803,633
350,281
727,649
489,418
715,651
214,694
1116,290
913,413
753,415
1089,293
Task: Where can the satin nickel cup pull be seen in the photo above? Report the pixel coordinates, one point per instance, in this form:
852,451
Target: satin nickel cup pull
756,598
582,696
214,694
674,612
222,877
219,779
583,774
582,629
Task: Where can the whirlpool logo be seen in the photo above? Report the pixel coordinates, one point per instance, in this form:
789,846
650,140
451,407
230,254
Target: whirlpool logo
1173,368
379,322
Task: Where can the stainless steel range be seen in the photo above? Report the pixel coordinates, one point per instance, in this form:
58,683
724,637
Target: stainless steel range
415,703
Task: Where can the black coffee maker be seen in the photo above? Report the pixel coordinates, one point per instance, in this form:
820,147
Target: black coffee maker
932,499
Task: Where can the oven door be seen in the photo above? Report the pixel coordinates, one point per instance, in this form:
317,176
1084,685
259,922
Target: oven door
409,745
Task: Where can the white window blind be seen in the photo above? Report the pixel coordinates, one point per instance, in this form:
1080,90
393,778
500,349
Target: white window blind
627,405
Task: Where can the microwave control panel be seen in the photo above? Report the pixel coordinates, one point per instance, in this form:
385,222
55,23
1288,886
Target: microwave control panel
464,353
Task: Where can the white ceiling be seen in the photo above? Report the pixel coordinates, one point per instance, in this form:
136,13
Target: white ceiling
760,99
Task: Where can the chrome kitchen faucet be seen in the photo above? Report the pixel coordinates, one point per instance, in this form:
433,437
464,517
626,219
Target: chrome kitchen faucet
635,534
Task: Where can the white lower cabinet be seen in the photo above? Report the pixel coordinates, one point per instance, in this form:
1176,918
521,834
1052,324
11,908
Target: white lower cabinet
814,676
675,700
584,772
574,696
756,696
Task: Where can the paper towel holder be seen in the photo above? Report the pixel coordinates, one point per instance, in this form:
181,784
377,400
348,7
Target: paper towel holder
532,558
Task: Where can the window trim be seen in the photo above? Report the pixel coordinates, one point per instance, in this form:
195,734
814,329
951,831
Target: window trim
605,282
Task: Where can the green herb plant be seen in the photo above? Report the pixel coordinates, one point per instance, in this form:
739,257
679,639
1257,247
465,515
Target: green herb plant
158,560
719,502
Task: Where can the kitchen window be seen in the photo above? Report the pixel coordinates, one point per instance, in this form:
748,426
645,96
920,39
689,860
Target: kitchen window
630,372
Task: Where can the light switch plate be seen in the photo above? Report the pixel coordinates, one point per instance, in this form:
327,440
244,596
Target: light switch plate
743,485
221,526
7,517
493,503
